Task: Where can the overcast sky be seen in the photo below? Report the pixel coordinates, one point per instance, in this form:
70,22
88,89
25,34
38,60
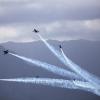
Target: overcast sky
56,19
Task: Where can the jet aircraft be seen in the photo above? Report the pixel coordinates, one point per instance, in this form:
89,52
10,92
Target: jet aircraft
6,52
60,46
35,30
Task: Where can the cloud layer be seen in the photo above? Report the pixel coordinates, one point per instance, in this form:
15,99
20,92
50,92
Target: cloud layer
56,19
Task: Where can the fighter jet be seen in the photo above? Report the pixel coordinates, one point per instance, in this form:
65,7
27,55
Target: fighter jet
6,52
37,76
35,30
60,46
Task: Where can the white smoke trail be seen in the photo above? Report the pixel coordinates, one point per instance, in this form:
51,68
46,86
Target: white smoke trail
49,67
53,50
83,73
70,84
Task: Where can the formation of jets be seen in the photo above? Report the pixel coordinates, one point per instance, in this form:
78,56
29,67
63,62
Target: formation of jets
5,52
35,31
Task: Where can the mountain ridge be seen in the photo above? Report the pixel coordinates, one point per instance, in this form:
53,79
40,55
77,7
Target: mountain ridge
84,53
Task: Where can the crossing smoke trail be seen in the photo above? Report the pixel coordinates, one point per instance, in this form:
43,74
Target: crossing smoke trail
55,52
49,67
84,74
70,84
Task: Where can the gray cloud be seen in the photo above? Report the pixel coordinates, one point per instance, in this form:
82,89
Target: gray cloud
57,19
68,30
47,11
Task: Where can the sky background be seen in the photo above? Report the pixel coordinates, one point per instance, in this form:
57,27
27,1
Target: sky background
56,19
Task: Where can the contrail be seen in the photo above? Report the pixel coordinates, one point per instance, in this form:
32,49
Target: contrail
49,67
70,84
83,73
